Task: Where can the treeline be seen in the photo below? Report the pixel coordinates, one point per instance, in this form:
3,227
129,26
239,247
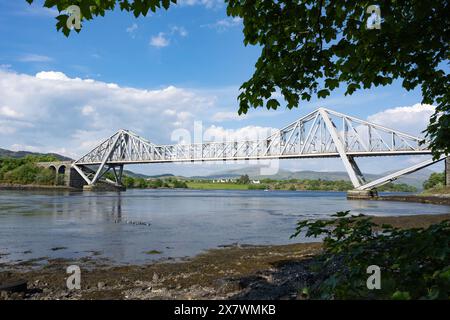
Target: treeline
25,171
141,183
436,180
324,185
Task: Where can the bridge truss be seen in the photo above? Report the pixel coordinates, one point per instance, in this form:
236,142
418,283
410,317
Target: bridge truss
320,134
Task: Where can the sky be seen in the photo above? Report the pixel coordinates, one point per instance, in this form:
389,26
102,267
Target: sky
160,76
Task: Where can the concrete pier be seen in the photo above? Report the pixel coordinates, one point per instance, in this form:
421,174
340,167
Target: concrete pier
103,187
362,194
64,173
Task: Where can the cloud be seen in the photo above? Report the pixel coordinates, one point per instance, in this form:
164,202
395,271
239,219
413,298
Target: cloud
159,41
163,38
225,24
132,30
227,115
51,111
206,3
181,31
216,133
36,9
34,58
409,119
52,75
8,112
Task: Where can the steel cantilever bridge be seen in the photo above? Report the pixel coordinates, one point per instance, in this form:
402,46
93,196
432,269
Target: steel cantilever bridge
320,134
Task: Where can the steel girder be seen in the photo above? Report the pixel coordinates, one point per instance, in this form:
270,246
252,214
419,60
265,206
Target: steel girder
322,133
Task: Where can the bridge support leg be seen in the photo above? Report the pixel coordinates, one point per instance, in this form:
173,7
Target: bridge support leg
118,173
356,171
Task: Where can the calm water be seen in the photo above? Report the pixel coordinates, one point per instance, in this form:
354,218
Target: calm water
177,222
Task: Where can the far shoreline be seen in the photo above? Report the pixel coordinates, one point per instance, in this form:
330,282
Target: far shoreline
437,199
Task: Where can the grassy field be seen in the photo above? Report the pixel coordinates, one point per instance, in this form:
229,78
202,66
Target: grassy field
216,186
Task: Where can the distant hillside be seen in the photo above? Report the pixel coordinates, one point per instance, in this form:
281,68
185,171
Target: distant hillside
144,176
415,179
20,154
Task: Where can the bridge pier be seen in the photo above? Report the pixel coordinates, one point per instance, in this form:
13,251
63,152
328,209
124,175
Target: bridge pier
103,187
65,175
362,194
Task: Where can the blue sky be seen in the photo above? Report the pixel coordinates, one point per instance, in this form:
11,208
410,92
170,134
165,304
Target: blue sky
153,75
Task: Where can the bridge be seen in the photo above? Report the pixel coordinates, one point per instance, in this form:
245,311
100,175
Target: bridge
323,133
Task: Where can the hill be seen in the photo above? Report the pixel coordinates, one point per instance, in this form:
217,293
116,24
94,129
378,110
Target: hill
20,154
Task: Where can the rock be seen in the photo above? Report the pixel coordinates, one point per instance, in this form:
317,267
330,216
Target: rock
14,286
4,295
155,277
101,285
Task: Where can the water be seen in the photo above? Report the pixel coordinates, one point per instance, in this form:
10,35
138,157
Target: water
178,223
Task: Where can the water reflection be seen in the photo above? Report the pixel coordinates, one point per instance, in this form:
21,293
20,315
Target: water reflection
123,226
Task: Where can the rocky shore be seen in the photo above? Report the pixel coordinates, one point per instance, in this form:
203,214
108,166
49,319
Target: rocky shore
235,272
443,199
34,187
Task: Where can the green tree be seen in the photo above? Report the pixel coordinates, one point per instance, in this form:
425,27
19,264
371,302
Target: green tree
435,180
179,184
128,182
244,179
309,48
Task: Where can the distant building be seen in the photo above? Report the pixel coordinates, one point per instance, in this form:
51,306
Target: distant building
256,181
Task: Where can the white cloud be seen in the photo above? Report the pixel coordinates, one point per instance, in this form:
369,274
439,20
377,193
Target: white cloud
181,31
9,112
227,115
217,133
226,23
206,3
87,110
31,57
51,111
52,75
163,39
410,119
36,9
132,29
159,41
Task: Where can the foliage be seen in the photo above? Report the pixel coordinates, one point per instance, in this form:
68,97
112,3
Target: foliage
24,170
244,179
435,180
414,262
310,48
94,8
141,183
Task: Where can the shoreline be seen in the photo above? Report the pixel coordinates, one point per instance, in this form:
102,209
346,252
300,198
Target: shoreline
235,272
438,199
34,187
